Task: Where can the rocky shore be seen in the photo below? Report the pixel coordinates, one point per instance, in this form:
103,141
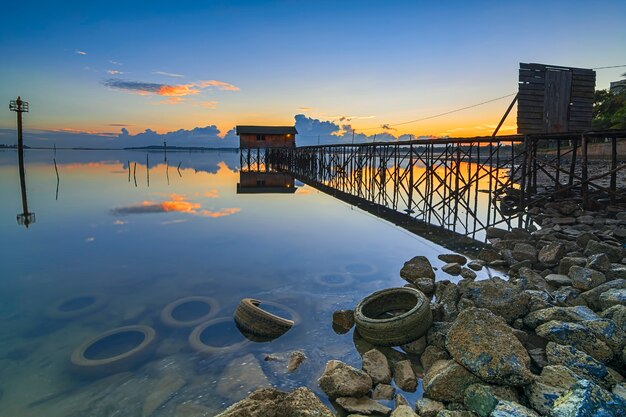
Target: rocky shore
550,340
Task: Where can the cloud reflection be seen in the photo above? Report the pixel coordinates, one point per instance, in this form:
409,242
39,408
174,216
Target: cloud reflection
176,203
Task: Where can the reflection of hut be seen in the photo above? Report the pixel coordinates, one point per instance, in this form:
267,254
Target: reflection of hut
265,182
266,136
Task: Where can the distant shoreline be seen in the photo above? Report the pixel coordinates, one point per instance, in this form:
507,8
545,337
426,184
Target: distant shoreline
138,148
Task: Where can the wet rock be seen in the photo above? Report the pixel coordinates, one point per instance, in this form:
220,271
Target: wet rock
475,265
376,366
241,376
295,360
437,334
452,268
587,399
270,402
167,386
341,380
428,408
453,258
487,346
383,392
468,274
498,296
616,271
615,253
362,405
612,297
599,262
418,267
416,347
404,376
489,255
447,296
584,278
446,380
570,314
552,253
425,285
524,252
558,280
550,385
512,409
576,335
483,398
431,355
579,362
343,320
403,411
592,297
568,261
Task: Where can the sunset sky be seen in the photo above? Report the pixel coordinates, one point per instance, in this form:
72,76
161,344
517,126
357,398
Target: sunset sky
92,70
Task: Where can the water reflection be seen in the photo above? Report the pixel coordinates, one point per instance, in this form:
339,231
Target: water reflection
265,182
26,218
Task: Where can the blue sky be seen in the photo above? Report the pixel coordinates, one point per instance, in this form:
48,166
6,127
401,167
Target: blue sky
165,66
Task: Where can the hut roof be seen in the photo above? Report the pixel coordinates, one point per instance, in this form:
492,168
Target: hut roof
266,130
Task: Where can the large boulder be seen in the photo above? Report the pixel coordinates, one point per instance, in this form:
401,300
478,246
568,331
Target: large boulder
592,297
498,296
614,252
418,267
362,405
487,346
612,297
446,381
270,402
599,262
579,362
376,365
609,331
587,399
585,278
341,380
576,335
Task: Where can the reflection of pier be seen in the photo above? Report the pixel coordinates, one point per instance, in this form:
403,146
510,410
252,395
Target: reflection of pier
460,185
19,106
265,182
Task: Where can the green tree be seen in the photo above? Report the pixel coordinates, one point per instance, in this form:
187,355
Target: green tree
609,110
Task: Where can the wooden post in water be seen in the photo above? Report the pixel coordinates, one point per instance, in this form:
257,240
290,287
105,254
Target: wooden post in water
19,107
584,185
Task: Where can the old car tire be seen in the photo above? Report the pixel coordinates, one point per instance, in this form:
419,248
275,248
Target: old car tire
196,343
169,315
251,318
76,306
377,324
89,360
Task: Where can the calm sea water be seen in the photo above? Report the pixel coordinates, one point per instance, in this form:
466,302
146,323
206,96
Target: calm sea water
181,229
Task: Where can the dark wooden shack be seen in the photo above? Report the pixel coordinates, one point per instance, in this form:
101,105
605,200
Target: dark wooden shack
266,136
265,182
554,99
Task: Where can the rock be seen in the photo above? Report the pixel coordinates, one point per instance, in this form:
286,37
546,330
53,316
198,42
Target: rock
341,380
404,376
524,252
571,314
585,278
453,258
437,333
376,366
418,267
383,392
446,380
512,409
452,268
599,262
431,355
475,265
343,320
162,392
587,399
241,376
295,360
592,297
608,331
539,300
612,297
563,220
468,274
538,357
192,410
615,253
425,285
567,262
498,296
362,405
495,233
447,296
576,335
403,411
416,347
489,255
270,402
531,280
568,297
616,314
400,400
616,271
558,280
583,239
550,385
620,390
552,253
482,398
579,362
428,408
455,413
487,346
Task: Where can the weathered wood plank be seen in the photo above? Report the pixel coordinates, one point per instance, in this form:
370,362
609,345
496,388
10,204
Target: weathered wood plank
556,100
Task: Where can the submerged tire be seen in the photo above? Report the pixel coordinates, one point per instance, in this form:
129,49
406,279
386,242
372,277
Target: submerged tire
196,343
252,319
393,317
114,351
76,306
173,315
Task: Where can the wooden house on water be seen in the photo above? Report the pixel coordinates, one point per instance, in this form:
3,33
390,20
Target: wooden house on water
266,136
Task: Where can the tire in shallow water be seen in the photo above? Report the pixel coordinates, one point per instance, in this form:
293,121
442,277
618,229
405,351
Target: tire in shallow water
196,343
251,318
393,317
128,347
76,306
168,314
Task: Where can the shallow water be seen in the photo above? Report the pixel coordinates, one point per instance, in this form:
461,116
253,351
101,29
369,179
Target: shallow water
138,239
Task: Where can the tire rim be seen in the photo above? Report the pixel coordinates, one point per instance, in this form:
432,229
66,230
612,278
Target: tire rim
380,296
196,343
76,306
170,317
